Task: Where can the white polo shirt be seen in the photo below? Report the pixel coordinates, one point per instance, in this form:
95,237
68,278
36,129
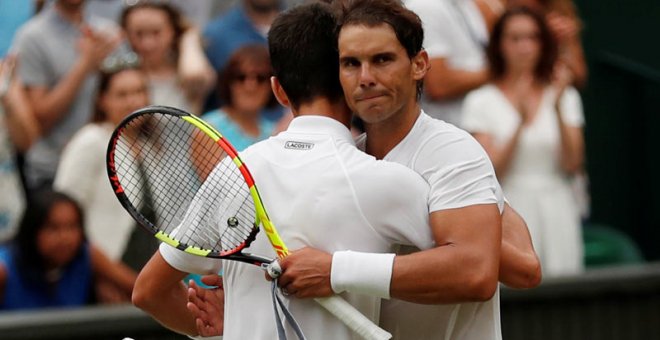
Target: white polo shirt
460,174
328,195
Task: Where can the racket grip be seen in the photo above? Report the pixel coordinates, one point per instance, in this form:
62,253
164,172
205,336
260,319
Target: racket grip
355,320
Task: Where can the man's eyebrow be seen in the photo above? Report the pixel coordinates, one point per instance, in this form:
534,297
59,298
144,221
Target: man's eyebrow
386,54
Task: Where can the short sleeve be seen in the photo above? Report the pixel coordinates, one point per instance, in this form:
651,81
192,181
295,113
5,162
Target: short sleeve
571,107
33,67
474,117
189,263
199,226
458,171
437,23
394,200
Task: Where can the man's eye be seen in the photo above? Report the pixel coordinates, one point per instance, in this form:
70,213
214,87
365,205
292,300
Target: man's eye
350,63
382,59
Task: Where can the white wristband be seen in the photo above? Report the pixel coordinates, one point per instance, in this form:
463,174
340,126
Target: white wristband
364,273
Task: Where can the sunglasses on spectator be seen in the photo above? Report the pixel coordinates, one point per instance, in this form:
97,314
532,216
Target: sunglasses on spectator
260,78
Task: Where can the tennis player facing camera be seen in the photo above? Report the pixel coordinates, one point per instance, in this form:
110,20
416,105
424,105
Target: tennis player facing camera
320,191
382,65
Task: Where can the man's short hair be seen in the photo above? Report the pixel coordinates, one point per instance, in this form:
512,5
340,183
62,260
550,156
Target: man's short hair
303,51
371,13
406,24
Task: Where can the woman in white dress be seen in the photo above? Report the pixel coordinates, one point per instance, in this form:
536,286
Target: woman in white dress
530,122
82,170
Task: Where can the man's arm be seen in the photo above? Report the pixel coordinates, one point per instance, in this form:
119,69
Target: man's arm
50,104
160,292
443,82
462,267
519,265
307,270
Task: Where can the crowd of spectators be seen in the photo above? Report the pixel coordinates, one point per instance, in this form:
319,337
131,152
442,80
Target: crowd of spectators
506,71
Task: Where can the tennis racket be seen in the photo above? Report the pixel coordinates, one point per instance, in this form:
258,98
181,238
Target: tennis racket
185,184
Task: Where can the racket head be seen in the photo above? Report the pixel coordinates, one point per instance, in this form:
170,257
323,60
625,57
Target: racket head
166,167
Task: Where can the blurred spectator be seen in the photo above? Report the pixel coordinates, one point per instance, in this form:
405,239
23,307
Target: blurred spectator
50,264
18,130
170,54
455,37
565,25
82,170
59,51
529,120
244,86
199,11
245,23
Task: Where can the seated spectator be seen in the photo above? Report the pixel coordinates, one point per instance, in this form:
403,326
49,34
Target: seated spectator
246,22
244,86
81,173
18,131
529,120
170,54
50,264
565,25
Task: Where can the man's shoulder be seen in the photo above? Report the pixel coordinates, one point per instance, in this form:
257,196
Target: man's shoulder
439,140
432,128
33,29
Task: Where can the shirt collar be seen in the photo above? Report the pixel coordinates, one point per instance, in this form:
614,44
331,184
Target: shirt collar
320,125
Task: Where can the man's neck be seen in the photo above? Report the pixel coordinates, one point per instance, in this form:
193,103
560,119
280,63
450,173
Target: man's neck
73,15
326,108
382,137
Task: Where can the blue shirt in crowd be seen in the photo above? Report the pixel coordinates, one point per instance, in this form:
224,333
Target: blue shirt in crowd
233,133
73,288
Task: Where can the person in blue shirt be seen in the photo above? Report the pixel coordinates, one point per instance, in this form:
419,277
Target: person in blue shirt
244,87
50,263
245,23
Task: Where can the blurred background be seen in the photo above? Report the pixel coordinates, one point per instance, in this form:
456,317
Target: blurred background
617,296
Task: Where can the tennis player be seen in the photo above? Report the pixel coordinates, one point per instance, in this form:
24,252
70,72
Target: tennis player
319,189
382,64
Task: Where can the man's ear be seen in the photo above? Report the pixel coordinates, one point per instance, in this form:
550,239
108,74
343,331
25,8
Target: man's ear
420,65
279,93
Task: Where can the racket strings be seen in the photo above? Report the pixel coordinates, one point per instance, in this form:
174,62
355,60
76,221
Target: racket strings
197,194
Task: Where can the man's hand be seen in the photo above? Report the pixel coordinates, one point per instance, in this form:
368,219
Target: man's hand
306,273
95,47
207,305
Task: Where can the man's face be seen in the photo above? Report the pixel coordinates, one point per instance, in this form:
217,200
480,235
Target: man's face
376,73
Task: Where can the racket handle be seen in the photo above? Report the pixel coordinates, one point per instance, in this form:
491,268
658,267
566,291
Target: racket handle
355,320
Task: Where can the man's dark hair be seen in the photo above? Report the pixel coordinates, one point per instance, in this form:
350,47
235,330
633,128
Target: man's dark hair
303,51
371,13
548,54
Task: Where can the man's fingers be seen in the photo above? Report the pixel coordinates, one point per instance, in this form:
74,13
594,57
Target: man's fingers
212,280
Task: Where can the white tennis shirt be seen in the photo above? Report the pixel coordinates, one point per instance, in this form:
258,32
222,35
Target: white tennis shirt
321,191
460,174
